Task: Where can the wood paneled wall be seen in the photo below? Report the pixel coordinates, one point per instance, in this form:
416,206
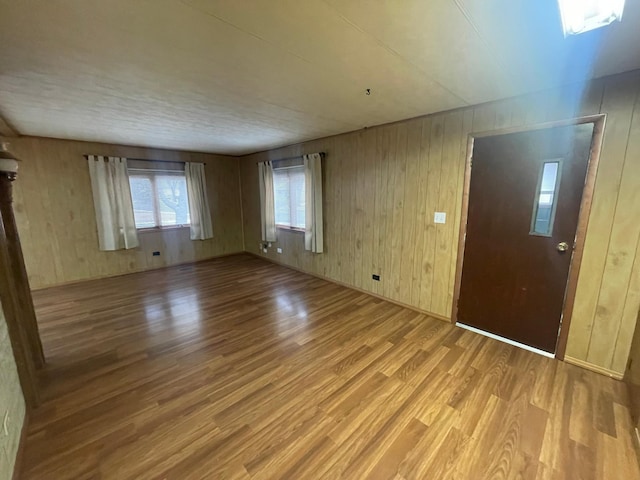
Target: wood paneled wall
11,401
383,185
632,376
56,219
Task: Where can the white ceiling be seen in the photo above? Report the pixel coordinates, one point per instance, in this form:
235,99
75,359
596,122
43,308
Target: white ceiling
237,77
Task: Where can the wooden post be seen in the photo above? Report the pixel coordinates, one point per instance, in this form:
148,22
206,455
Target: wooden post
15,293
19,271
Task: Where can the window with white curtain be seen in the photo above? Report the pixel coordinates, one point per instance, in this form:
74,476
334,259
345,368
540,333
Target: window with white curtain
289,197
159,198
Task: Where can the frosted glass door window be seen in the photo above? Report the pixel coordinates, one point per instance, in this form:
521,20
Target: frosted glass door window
544,208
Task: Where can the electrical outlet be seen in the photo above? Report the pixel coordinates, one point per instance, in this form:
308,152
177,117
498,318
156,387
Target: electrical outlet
439,217
279,250
376,277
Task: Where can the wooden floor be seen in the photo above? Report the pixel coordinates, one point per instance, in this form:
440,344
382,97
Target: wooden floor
237,368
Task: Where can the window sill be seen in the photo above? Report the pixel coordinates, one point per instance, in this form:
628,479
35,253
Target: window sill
290,229
161,229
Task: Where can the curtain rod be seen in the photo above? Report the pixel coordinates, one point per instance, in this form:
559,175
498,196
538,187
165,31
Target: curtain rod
322,154
145,159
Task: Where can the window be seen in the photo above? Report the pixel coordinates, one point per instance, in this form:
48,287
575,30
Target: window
288,186
159,198
544,208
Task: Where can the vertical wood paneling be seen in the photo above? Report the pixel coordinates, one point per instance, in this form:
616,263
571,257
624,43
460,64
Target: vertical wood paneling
410,209
623,245
630,314
387,182
422,213
335,250
390,159
359,209
431,202
11,401
618,104
441,296
467,126
632,375
56,219
380,212
348,195
332,218
398,212
368,193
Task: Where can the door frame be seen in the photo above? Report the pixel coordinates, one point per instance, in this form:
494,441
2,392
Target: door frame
599,122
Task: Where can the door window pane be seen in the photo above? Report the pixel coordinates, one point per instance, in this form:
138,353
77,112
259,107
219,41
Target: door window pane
544,208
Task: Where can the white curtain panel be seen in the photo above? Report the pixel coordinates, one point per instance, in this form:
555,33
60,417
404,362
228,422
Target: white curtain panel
313,232
112,202
267,203
199,212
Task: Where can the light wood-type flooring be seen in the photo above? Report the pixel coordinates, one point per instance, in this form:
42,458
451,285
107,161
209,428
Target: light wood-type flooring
239,368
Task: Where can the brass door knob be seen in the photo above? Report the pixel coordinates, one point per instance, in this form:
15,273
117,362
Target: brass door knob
562,247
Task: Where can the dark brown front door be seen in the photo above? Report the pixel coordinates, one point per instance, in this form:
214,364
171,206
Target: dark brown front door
524,202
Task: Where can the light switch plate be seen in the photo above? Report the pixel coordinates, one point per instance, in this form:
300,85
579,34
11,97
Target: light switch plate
279,250
439,217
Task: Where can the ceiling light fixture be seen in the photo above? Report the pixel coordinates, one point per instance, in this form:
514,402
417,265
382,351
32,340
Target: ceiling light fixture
579,16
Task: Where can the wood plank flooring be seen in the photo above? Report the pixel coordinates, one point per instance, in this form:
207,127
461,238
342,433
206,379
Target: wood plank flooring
236,368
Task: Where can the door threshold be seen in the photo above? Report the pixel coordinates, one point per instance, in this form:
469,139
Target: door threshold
506,340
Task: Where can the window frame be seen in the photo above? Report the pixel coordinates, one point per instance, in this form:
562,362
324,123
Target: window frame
151,173
282,226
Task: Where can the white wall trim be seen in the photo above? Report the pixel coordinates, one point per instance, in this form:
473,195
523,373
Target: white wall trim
505,340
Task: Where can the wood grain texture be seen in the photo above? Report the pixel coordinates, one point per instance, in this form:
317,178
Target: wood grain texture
238,368
632,378
19,453
617,253
410,250
22,328
513,284
56,219
11,401
17,271
6,130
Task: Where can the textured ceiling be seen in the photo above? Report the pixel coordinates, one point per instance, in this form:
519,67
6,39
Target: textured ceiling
240,76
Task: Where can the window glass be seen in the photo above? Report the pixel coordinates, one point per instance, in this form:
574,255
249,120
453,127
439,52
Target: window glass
173,204
545,200
289,196
143,203
159,199
282,197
